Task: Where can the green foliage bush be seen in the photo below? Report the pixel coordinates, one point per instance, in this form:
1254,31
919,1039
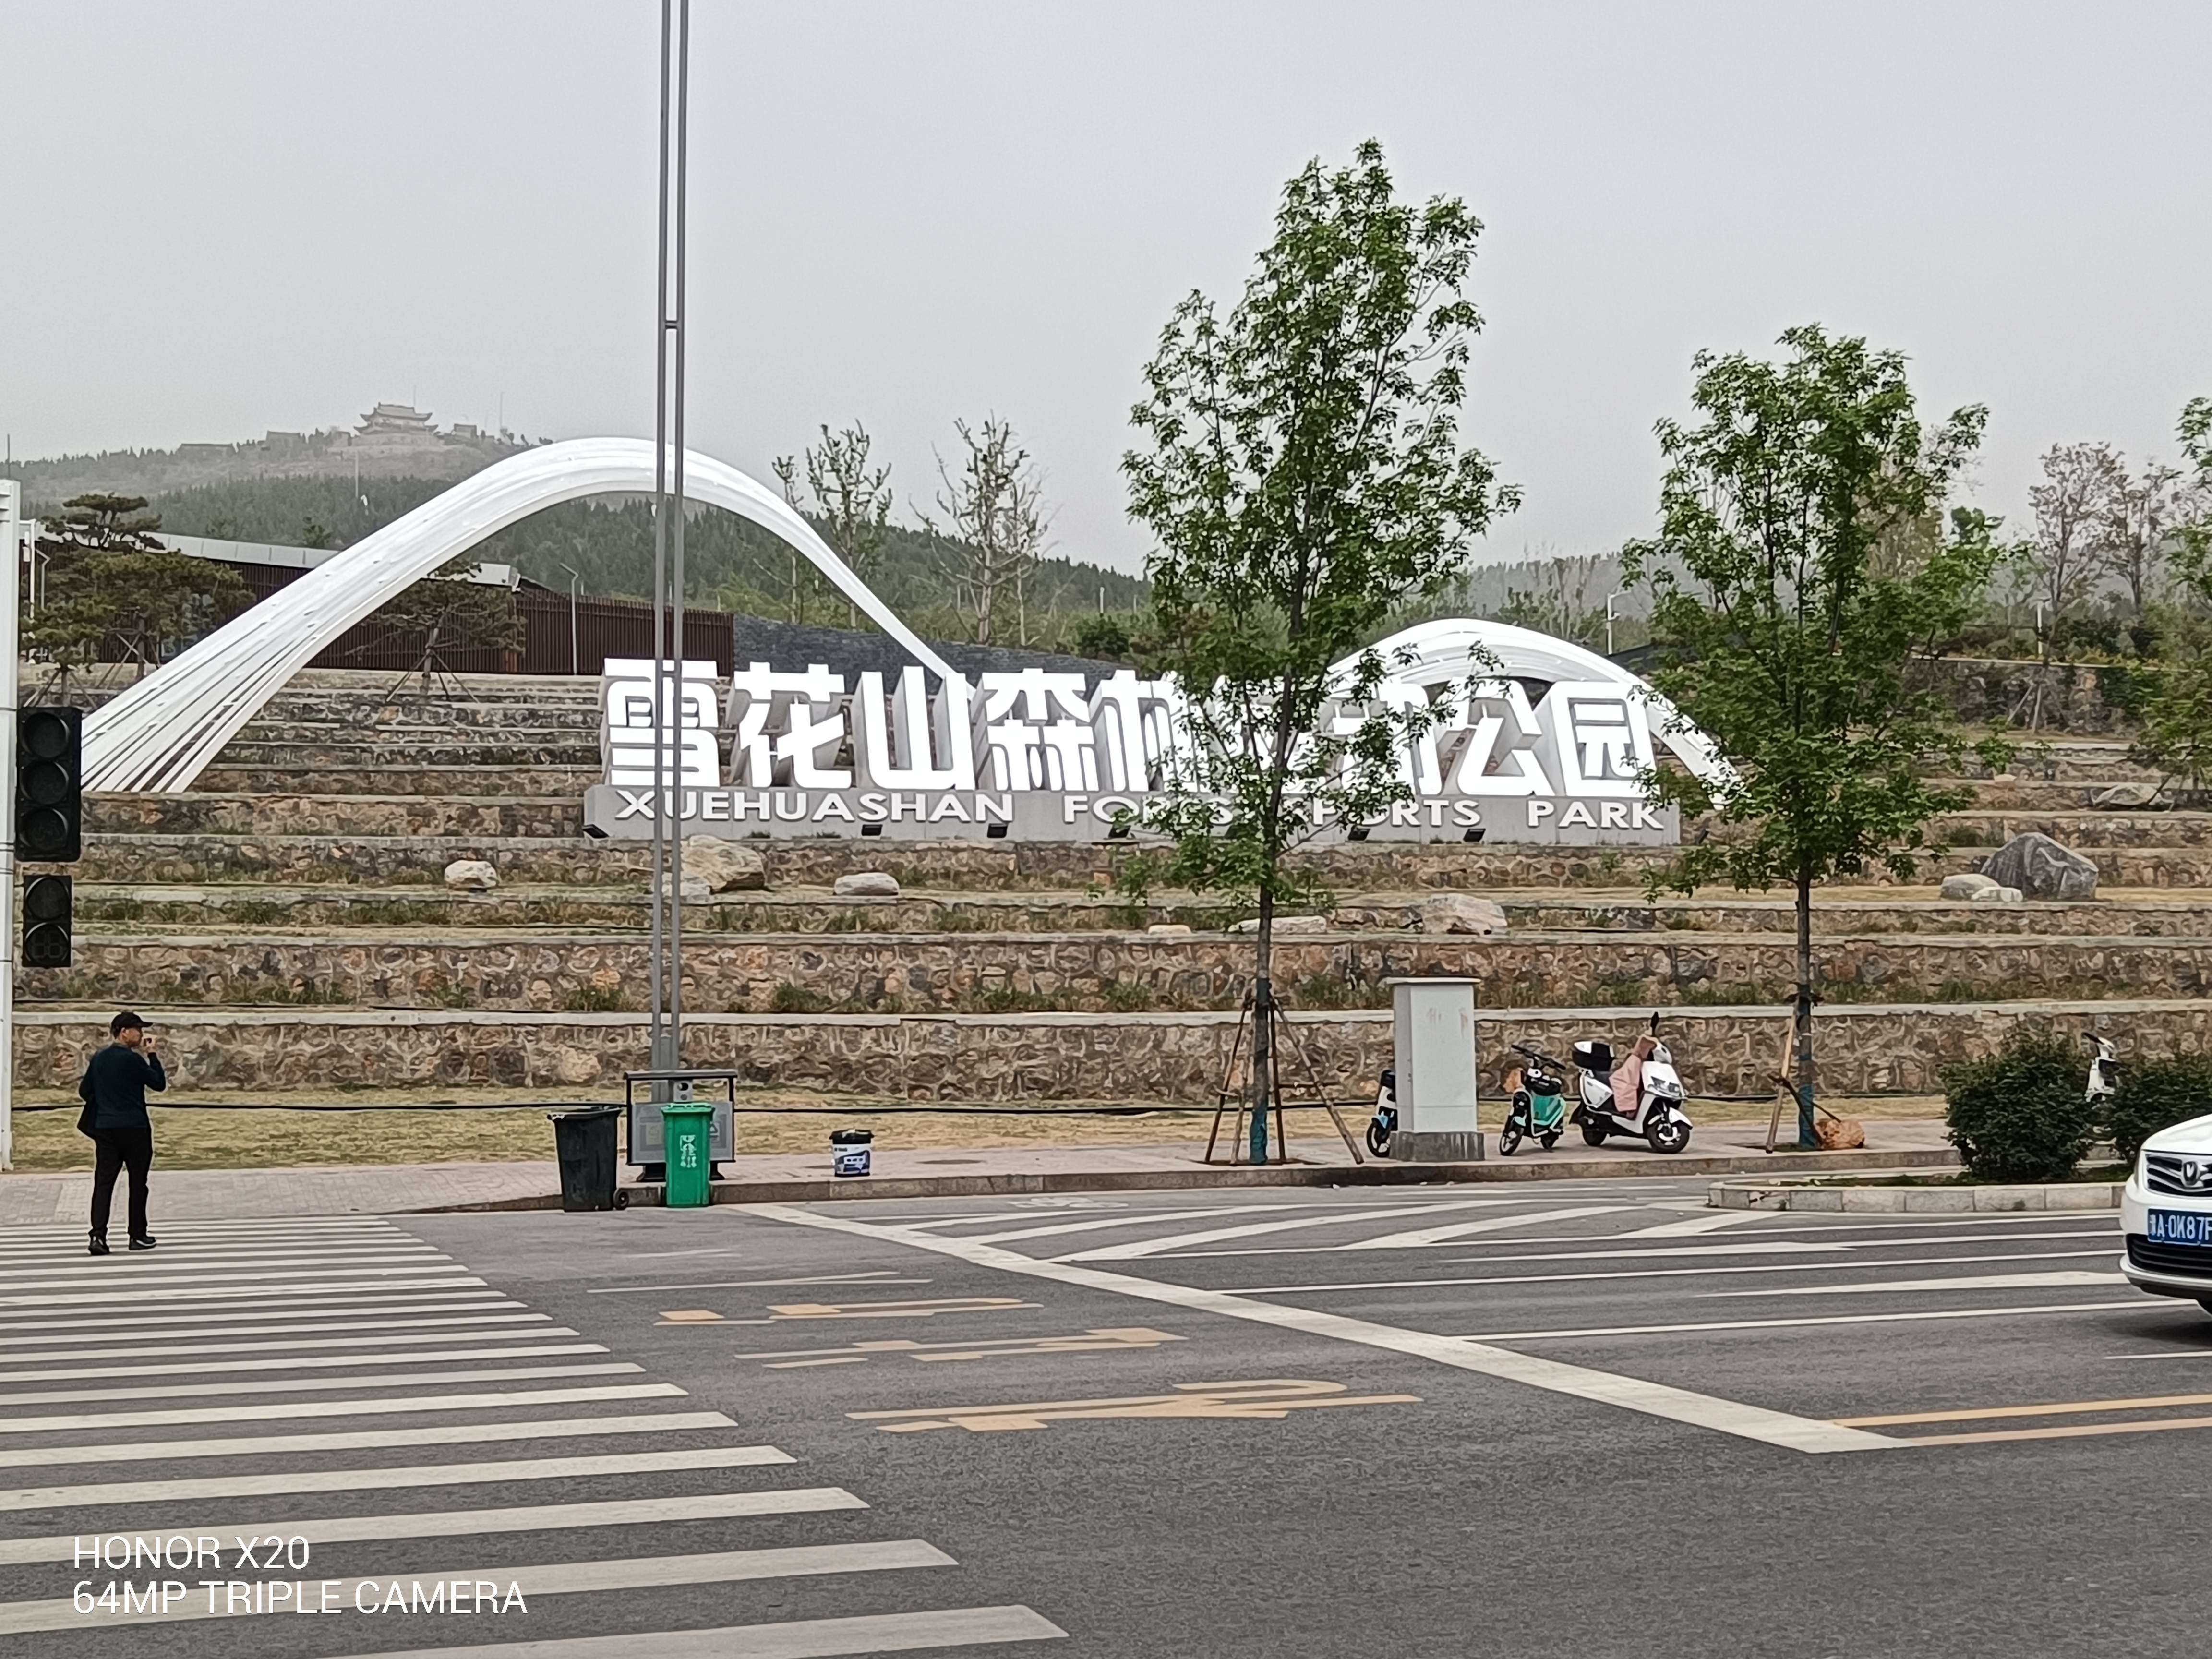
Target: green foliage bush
2155,1096
2021,1115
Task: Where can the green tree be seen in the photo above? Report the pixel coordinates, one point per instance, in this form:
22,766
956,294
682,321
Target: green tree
1301,468
447,613
112,586
1804,562
2177,695
850,503
994,506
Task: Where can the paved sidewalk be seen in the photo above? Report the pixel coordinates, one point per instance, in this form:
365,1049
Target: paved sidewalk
401,1188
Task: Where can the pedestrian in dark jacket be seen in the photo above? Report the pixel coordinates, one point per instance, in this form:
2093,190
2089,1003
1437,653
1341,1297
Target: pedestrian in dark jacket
114,1091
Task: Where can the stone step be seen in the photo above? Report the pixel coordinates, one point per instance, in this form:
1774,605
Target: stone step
2084,830
569,752
619,902
1867,1048
564,783
258,814
554,969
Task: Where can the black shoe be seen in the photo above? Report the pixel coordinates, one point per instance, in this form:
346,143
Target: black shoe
144,1243
96,1246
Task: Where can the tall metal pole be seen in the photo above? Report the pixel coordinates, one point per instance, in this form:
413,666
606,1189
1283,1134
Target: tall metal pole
11,553
676,534
661,1059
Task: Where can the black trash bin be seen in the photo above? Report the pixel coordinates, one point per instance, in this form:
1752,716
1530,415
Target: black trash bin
584,1143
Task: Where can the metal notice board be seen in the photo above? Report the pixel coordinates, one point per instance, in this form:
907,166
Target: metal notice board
647,1090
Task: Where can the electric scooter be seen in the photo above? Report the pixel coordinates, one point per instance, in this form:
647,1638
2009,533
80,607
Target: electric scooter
1538,1112
2104,1070
1646,1077
1384,1124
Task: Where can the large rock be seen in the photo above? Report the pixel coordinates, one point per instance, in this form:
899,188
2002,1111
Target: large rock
2042,869
2124,797
1966,889
1461,913
1284,924
470,876
1997,893
867,883
727,866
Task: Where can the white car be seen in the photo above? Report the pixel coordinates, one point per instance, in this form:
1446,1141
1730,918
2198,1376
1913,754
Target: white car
2165,1213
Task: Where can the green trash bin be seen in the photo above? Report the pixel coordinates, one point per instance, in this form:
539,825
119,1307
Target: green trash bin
687,1128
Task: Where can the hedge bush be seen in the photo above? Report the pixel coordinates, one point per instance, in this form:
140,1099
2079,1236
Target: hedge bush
2155,1096
2021,1115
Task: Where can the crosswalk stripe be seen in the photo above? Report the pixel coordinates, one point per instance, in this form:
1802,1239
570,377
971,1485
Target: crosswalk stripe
462,1523
1128,1218
796,1638
396,1478
436,1402
42,1264
152,1280
485,1328
325,1288
1460,1229
306,1384
1705,1221
1141,1247
294,1362
564,1578
459,1434
385,1299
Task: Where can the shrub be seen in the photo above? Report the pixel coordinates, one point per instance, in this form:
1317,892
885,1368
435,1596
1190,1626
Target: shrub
2020,1114
2154,1096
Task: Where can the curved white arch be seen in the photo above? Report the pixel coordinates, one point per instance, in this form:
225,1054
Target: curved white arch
1431,652
159,735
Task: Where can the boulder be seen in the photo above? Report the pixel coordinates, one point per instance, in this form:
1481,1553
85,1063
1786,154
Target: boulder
1461,913
1838,1134
1965,888
470,876
2124,797
2042,869
727,866
1994,894
1170,929
867,883
1284,925
691,888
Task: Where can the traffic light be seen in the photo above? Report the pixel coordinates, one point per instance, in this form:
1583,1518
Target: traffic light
49,785
47,921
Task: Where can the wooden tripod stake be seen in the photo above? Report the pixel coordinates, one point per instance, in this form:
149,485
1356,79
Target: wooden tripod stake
1236,1088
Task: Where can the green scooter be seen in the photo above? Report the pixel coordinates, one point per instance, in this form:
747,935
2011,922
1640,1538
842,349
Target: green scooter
1538,1111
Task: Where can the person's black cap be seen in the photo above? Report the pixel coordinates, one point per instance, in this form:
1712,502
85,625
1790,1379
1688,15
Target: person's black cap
123,1022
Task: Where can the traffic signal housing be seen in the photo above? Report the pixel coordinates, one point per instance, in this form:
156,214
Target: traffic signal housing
49,785
46,901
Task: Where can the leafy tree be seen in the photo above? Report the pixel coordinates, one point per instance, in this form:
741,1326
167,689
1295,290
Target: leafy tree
447,614
111,587
1108,637
2070,550
850,503
2177,695
1804,561
994,505
2154,1096
1300,465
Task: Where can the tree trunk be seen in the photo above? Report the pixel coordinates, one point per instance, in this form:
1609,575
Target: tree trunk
1808,1132
1263,1031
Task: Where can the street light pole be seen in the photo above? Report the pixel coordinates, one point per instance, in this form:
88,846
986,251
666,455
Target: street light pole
12,555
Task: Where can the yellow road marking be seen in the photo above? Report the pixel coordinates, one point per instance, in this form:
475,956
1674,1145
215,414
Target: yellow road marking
2062,1408
1097,1341
2063,1433
1269,1400
780,1311
689,1316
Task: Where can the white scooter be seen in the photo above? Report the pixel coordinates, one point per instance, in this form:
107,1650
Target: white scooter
2104,1071
1647,1079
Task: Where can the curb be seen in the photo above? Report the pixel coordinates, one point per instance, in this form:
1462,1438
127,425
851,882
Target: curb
824,1188
1914,1200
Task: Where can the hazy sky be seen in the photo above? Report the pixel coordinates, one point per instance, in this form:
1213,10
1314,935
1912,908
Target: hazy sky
225,217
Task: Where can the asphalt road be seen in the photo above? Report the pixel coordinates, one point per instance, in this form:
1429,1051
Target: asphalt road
1585,1420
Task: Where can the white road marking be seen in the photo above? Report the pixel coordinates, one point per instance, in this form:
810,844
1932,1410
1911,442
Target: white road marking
564,1578
80,1289
257,1311
405,1477
1657,1400
1127,1218
307,1384
1973,1282
754,1284
1422,1236
798,1638
1826,1264
300,1361
176,1344
466,1524
436,1402
42,1264
323,1288
1708,1221
452,1434
1145,1246
1824,1319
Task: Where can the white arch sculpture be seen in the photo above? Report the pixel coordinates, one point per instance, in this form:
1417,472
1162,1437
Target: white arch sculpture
1446,652
159,735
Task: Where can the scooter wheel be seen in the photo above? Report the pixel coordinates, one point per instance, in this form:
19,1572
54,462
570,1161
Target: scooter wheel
1378,1142
1508,1139
1550,1140
1669,1137
1592,1134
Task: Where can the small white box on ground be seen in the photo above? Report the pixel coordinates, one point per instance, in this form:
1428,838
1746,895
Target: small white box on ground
1433,1025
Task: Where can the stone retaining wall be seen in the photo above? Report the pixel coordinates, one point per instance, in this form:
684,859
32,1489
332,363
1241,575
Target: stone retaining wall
1037,1058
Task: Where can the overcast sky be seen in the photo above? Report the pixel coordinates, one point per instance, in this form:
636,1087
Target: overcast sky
226,217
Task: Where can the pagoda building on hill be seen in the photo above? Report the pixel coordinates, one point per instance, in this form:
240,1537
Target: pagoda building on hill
397,418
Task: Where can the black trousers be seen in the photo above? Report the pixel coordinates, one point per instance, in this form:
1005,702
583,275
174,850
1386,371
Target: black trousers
120,1148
